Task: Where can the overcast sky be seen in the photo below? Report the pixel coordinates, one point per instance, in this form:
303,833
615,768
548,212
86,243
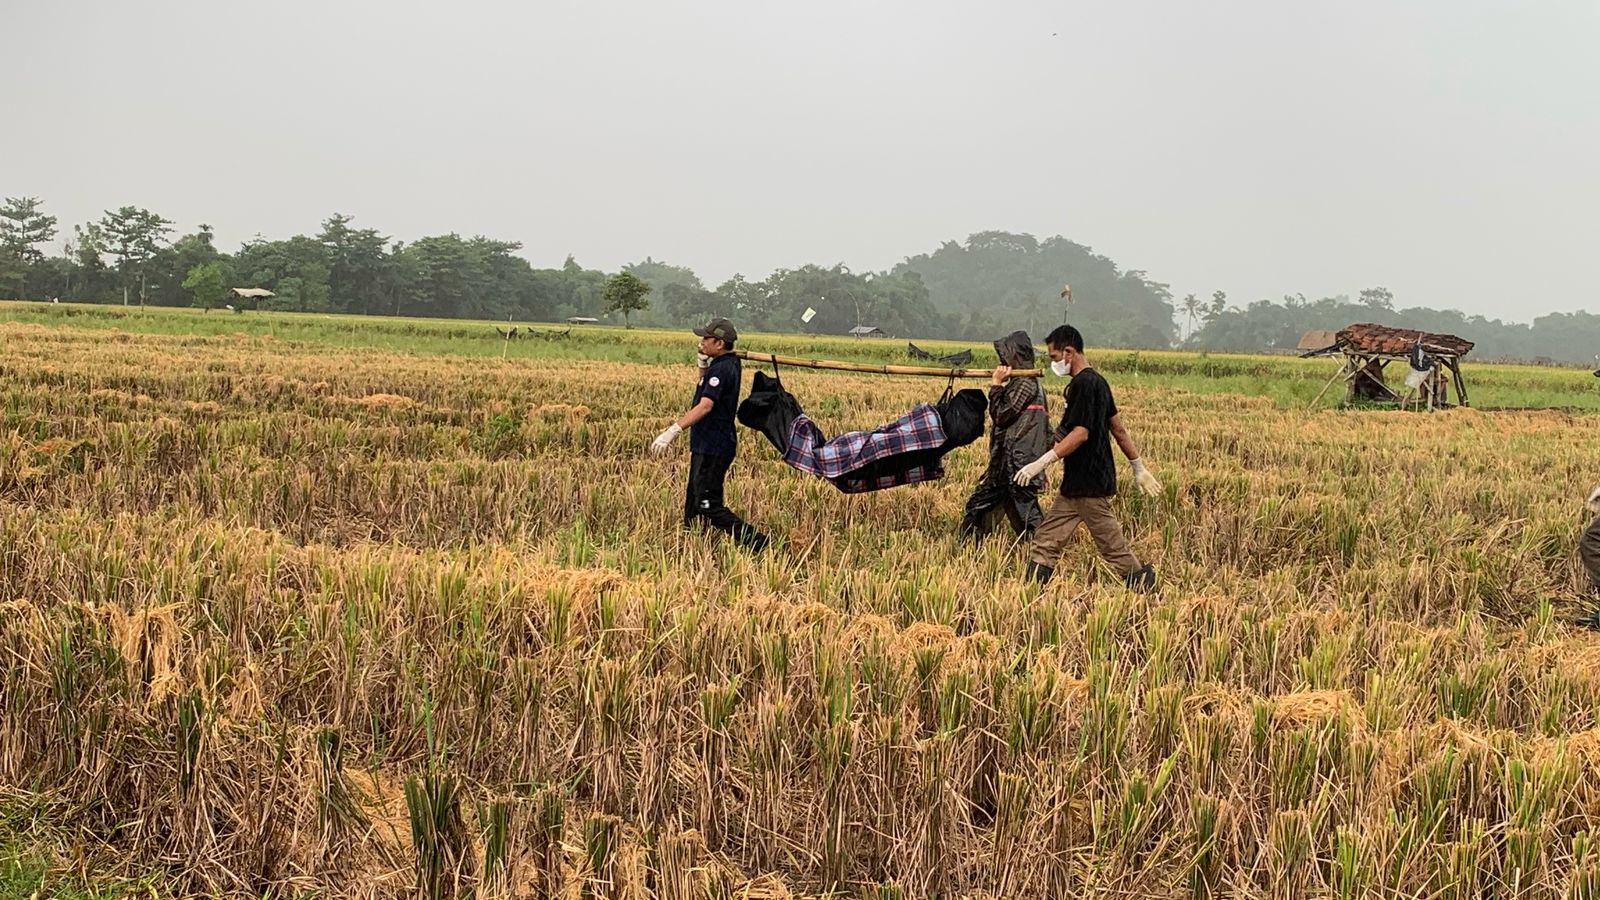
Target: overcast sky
1448,149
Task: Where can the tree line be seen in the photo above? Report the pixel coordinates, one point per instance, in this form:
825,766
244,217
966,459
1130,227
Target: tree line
992,283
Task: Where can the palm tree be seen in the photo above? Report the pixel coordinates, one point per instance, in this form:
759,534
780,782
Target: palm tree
1191,306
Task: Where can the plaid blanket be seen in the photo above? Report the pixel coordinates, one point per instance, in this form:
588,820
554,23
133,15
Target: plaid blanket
909,475
835,460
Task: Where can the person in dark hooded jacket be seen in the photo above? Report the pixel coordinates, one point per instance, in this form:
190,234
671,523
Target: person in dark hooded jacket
1020,433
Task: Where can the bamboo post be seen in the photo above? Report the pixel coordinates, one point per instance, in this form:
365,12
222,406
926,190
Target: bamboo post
879,369
1336,376
1461,383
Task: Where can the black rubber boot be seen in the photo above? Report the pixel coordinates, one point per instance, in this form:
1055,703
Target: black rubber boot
752,540
1039,574
1142,579
1591,620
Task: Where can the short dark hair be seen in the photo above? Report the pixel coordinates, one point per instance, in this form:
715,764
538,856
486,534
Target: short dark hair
1063,337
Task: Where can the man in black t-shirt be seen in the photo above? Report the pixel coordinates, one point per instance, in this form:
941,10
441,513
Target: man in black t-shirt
1088,473
712,440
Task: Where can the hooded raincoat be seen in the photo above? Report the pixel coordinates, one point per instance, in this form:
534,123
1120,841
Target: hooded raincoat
1020,434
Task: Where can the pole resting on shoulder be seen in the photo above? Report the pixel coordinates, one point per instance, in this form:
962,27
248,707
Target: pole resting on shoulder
837,366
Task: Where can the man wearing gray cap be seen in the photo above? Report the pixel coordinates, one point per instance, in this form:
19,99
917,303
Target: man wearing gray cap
712,441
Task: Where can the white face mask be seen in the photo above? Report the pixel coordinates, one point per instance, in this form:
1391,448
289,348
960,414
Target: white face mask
702,360
1060,367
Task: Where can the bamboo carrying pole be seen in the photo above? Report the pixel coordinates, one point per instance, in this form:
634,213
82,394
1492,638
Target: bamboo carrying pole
879,369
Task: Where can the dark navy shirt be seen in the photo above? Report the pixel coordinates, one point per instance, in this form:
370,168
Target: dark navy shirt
714,435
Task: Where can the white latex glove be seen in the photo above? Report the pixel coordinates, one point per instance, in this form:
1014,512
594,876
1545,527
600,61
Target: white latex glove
1032,470
702,360
1594,500
665,438
1147,482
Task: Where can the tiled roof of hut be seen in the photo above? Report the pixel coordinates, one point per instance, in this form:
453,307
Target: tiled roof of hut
1369,338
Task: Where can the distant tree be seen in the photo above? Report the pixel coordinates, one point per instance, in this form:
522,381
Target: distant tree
22,228
584,288
682,304
1191,307
133,235
981,288
1219,304
172,265
680,282
626,293
205,283
1379,297
572,290
295,269
401,270
474,278
69,254
753,304
356,261
1033,310
87,250
659,274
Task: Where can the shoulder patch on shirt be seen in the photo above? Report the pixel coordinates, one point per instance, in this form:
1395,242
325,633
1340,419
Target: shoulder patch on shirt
714,381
